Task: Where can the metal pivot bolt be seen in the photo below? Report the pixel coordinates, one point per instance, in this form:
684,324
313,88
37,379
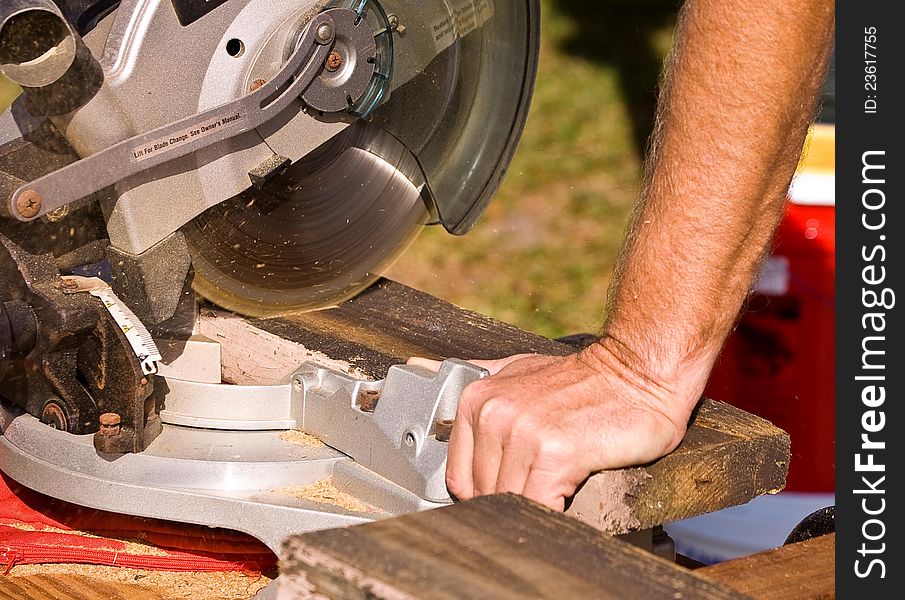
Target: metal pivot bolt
324,33
110,424
54,416
28,204
334,61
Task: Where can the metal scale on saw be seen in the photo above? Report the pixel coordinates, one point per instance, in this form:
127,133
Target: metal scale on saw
268,156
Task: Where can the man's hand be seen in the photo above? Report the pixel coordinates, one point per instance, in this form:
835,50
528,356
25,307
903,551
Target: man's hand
539,425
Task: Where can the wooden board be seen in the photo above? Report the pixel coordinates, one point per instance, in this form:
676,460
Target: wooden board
727,458
73,587
804,571
389,322
96,582
495,547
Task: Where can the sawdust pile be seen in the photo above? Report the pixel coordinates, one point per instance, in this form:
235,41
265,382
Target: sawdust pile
132,545
166,584
301,438
325,492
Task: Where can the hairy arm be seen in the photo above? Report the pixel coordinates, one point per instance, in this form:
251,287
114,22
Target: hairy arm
739,92
737,100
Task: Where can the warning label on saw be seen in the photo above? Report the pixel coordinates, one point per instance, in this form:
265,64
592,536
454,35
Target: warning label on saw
467,16
189,134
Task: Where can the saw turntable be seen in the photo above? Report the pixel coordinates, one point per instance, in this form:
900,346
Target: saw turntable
265,156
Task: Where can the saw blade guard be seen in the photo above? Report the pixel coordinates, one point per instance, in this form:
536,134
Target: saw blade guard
463,75
450,100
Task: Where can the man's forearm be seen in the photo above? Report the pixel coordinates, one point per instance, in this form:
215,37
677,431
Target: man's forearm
737,100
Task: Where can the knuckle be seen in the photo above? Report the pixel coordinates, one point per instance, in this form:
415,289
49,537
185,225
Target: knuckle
474,392
558,449
494,413
526,428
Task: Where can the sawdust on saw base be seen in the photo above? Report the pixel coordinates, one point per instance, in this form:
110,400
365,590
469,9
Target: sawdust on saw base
294,436
325,492
171,585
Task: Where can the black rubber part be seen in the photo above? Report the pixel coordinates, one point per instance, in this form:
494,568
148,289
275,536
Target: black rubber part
820,522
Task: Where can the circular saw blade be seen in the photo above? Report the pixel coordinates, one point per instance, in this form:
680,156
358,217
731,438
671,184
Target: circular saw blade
318,234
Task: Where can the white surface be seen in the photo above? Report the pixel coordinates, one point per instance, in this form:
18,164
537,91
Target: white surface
814,189
763,523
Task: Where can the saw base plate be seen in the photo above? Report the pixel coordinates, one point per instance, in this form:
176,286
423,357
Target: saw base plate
240,480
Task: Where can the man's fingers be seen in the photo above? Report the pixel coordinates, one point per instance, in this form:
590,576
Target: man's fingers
433,365
459,457
555,472
488,445
497,365
514,469
547,488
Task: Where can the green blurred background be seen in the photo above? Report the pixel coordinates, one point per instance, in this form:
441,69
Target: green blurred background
543,254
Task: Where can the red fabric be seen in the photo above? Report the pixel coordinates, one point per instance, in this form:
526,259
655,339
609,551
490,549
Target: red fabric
26,515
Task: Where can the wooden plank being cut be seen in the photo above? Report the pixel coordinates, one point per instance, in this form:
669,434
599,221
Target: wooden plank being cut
804,571
494,547
389,322
727,457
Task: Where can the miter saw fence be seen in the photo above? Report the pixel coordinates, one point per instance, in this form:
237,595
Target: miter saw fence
272,157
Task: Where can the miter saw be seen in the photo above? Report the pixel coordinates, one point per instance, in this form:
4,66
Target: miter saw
268,156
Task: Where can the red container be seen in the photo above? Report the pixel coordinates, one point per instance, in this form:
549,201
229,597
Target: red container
779,362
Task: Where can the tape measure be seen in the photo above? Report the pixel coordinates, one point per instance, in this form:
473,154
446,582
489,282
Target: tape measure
136,333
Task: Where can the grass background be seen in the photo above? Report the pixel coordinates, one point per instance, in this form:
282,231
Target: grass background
543,254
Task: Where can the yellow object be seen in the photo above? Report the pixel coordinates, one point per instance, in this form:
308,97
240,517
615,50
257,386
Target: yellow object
819,154
9,91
